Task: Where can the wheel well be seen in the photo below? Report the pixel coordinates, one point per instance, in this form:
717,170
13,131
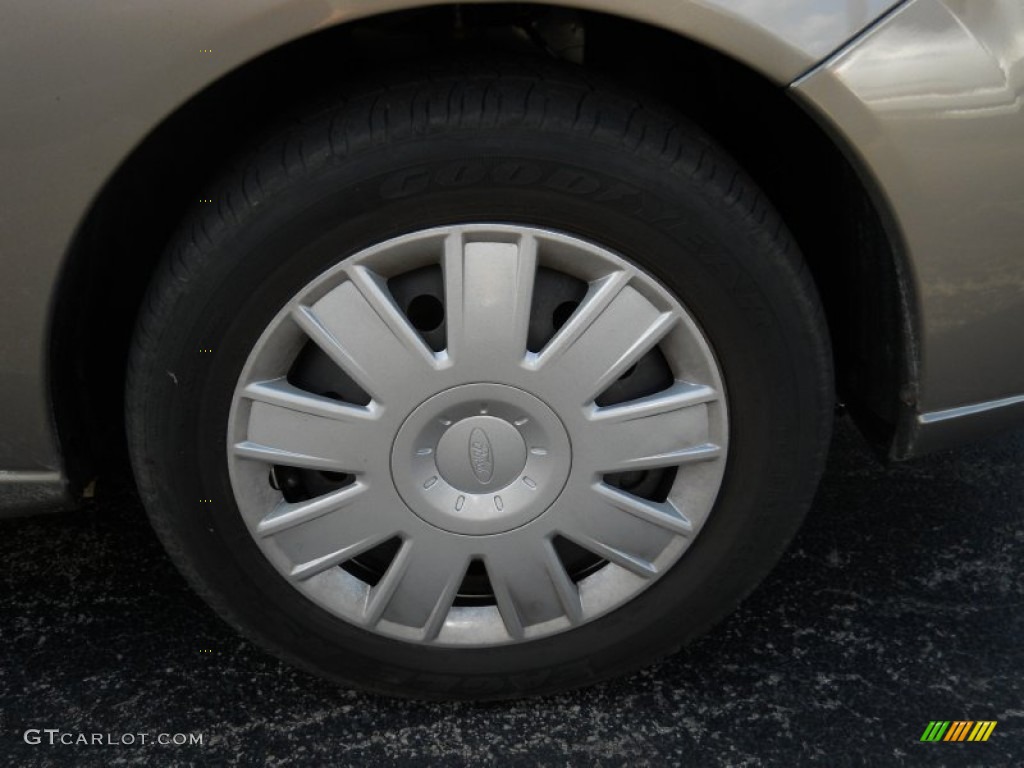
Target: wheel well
839,224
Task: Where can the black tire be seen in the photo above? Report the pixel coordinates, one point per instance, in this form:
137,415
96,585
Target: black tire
543,148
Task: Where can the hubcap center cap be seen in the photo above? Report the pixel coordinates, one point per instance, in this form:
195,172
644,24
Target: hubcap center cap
481,454
481,459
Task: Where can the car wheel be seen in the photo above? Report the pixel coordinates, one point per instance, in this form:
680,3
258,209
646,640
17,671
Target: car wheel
479,385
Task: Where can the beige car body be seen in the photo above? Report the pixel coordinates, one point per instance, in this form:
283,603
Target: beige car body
923,97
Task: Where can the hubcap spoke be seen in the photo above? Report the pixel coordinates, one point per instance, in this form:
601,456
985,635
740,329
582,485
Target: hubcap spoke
601,294
488,293
358,326
531,587
421,593
662,513
597,521
680,395
662,430
378,598
297,429
290,515
327,532
373,289
613,328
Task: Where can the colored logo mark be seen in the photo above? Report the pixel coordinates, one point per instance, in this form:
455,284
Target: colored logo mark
958,730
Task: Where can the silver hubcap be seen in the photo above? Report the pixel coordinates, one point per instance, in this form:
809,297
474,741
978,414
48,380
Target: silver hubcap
501,465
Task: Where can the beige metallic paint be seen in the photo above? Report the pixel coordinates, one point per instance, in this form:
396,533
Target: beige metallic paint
82,83
932,102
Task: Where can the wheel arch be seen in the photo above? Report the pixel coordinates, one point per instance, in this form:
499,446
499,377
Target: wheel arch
121,236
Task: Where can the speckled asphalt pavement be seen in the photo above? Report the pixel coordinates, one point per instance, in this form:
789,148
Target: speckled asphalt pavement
900,601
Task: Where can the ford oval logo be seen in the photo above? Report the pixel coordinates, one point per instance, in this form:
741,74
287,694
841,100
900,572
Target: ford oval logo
481,456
